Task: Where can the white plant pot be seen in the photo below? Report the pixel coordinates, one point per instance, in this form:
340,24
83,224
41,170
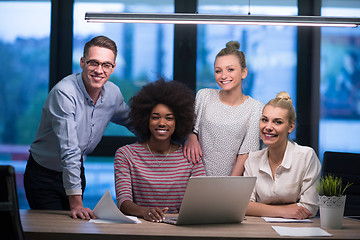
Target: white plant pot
331,211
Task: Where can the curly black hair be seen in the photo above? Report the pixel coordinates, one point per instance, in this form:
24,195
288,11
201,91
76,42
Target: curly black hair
174,95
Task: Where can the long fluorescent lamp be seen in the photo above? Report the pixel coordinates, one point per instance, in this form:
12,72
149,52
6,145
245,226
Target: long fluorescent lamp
188,18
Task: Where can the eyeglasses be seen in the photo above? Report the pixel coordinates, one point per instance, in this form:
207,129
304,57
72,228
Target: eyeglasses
106,66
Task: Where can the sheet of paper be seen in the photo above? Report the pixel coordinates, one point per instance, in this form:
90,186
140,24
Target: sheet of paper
285,220
106,211
112,221
301,231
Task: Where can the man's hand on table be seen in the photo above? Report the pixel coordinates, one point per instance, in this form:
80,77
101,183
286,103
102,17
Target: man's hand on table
77,209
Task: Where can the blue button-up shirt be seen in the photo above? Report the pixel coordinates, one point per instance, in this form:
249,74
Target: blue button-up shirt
72,125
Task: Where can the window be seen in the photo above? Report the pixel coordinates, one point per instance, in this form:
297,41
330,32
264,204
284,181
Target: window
270,51
144,50
24,74
340,81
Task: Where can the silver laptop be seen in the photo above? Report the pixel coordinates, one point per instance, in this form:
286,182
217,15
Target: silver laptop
212,199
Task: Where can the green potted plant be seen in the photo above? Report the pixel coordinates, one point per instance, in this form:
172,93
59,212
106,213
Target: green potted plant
331,200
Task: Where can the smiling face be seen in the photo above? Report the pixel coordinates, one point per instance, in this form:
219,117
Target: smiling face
275,126
94,77
228,72
161,123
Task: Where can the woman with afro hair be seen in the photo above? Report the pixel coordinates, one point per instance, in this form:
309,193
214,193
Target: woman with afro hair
151,175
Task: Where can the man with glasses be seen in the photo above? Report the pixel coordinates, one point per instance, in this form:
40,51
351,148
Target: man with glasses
74,117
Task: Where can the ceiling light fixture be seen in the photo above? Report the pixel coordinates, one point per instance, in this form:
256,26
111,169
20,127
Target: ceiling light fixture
188,18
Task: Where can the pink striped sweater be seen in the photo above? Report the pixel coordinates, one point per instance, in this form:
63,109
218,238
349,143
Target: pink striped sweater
152,180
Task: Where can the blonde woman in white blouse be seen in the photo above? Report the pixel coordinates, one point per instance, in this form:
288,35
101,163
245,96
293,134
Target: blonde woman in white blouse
286,172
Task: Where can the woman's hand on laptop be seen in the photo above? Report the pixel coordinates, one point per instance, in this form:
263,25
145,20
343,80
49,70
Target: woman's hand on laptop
155,214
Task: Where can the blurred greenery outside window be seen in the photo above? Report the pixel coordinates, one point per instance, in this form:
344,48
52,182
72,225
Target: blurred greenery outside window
24,74
24,64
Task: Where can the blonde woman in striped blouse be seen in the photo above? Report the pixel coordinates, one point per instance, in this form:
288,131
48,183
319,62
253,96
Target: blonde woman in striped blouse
151,175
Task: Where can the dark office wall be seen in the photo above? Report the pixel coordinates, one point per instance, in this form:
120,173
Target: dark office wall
185,42
61,39
308,77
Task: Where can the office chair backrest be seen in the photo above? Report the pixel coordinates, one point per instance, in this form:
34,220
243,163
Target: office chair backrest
10,225
346,166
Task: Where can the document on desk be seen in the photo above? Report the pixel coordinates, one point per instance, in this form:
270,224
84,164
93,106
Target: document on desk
107,212
301,231
285,220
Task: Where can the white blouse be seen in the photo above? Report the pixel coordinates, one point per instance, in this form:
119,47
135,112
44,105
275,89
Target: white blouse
295,178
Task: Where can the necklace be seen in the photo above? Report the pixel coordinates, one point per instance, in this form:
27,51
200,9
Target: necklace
154,155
